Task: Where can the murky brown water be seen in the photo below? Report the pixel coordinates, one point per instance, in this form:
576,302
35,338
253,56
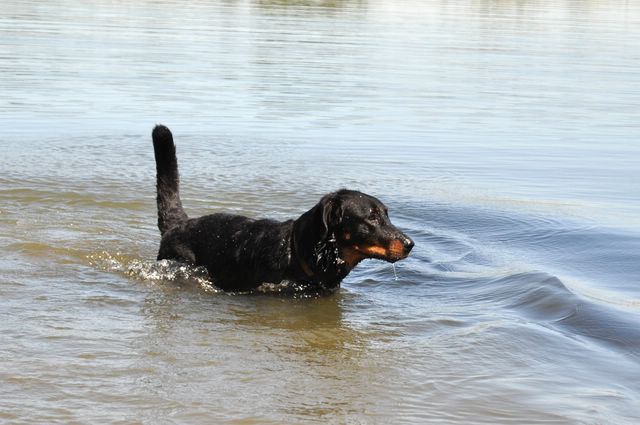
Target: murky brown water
502,135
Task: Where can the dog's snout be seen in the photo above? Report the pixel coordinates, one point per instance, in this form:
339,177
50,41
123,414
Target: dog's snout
408,243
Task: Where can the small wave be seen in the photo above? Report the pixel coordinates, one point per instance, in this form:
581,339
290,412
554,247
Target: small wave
543,297
604,296
535,295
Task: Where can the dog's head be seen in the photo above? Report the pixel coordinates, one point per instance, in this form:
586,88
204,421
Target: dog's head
346,227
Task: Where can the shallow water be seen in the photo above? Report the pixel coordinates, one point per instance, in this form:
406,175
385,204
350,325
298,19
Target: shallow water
502,135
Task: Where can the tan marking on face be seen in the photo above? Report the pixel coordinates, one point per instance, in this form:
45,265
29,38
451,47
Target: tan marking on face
396,248
347,236
372,250
351,256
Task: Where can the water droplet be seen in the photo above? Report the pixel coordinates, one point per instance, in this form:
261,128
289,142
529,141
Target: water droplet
394,271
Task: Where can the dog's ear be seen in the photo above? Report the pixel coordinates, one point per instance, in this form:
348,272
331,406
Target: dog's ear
331,213
314,238
317,225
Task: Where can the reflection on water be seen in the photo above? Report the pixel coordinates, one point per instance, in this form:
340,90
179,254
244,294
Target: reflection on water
502,135
288,357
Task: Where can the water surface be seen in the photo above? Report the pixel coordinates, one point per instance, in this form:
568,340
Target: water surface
502,135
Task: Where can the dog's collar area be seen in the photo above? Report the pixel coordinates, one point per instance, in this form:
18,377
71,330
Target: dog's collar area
305,267
298,258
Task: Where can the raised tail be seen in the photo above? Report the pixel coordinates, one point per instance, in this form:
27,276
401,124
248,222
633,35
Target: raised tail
170,211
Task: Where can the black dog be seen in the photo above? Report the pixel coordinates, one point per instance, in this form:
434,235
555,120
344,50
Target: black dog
317,250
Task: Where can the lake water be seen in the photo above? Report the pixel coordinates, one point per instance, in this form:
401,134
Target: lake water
503,135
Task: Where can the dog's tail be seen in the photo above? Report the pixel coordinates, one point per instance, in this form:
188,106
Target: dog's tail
170,211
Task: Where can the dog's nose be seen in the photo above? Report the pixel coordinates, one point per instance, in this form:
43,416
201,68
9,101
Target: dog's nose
408,243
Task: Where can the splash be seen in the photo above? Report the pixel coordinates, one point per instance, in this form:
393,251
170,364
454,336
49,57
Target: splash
152,271
176,273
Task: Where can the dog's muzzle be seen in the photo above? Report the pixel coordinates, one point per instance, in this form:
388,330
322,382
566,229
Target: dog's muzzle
399,248
396,249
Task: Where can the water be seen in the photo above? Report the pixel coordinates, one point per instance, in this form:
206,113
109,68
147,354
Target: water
502,135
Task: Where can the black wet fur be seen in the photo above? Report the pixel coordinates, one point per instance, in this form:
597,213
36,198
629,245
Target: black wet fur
317,250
